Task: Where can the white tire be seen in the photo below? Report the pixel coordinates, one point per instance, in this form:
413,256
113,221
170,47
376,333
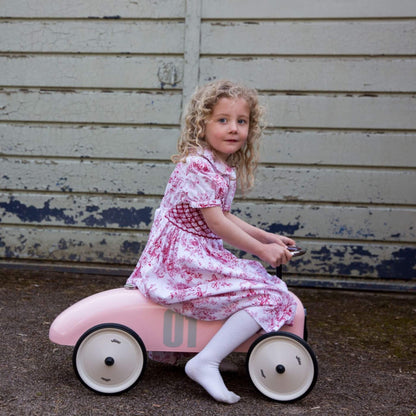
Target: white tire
282,366
109,358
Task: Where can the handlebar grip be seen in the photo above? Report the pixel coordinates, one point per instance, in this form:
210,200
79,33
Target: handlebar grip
296,252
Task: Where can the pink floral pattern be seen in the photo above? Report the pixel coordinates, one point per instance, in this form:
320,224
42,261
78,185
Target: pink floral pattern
185,266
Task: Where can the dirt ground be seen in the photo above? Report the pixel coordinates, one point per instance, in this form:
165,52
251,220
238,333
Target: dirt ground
365,345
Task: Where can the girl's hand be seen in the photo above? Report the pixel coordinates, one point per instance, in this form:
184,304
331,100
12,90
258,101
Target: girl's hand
275,254
279,239
287,241
271,248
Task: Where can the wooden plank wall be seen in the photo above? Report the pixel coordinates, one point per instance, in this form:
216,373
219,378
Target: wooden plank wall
338,79
90,107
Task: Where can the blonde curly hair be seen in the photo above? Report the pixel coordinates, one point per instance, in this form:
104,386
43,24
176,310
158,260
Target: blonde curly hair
198,112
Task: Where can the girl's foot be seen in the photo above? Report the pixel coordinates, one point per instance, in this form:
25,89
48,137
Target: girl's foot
208,376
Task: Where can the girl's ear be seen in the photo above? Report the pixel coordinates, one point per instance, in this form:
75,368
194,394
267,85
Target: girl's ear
203,128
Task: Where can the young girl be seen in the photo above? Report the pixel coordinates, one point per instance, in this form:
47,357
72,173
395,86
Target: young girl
184,265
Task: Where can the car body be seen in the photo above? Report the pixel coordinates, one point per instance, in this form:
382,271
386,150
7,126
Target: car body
112,332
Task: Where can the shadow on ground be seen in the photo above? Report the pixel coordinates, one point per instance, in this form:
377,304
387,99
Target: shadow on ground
365,344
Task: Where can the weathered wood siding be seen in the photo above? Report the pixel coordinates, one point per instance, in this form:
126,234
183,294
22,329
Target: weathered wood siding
90,105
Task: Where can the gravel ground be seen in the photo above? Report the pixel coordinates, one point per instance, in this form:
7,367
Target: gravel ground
365,344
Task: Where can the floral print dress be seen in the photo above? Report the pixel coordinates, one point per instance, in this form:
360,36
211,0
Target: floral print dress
185,266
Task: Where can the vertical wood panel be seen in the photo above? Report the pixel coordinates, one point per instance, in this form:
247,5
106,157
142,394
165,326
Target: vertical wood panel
192,47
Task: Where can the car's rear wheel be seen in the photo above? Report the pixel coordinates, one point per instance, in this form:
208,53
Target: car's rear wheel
109,358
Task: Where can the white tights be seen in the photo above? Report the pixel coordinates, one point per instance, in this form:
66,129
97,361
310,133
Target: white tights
204,367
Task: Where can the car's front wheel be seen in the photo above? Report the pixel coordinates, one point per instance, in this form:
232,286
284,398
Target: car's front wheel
282,366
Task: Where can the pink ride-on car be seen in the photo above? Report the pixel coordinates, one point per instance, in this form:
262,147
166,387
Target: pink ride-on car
113,330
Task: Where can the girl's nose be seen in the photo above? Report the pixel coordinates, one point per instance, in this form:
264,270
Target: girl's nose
233,126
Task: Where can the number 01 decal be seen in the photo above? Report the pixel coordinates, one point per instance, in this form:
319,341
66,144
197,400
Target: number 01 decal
173,330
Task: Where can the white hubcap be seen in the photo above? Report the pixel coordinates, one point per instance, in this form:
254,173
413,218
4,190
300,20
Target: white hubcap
281,367
109,360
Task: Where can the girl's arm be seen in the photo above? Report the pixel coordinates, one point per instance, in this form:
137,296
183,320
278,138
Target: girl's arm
258,234
240,237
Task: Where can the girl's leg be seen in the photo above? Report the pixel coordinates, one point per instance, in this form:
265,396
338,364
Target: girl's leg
204,367
298,324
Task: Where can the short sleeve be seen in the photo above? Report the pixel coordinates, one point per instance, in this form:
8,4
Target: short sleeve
204,187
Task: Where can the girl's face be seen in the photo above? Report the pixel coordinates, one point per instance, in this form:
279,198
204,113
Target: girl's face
227,128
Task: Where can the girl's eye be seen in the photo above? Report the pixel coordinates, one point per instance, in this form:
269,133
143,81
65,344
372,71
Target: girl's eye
242,121
222,120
